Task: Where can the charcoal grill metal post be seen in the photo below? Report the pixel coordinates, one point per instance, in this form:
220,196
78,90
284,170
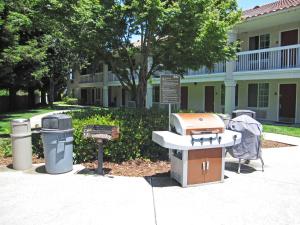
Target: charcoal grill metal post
101,133
99,170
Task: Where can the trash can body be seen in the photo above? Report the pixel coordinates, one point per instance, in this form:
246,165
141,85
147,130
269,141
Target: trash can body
21,144
57,137
241,112
58,151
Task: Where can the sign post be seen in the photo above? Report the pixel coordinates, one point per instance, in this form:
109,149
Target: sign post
170,91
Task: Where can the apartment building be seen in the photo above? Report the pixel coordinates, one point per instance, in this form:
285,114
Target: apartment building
265,77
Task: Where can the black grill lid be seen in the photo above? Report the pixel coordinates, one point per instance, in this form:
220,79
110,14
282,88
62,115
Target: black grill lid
57,122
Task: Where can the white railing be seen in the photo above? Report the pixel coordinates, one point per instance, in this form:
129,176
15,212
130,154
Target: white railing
91,78
286,57
112,77
217,68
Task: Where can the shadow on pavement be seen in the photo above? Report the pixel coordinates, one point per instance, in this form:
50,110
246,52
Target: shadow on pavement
41,169
159,181
233,167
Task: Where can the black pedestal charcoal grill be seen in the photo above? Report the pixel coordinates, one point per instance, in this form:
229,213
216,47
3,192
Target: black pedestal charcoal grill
250,146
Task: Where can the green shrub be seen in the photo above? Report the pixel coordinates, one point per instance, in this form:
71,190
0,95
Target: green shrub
5,147
136,128
70,101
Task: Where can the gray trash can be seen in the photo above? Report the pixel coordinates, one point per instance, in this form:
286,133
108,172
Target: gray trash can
241,112
21,144
57,137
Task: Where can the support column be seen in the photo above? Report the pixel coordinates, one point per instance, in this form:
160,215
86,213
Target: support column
105,85
229,79
149,96
229,96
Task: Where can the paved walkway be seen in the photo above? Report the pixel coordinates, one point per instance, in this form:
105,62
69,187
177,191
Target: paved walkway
282,138
252,197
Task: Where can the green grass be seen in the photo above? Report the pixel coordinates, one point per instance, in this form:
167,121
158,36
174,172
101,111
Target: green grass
5,118
291,130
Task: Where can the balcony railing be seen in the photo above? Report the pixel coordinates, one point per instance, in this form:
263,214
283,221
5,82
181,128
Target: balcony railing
217,68
91,78
286,57
112,77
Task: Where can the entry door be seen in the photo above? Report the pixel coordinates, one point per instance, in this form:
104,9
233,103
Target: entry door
289,56
184,98
287,103
209,98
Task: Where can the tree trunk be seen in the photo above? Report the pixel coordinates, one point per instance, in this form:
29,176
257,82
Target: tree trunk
51,92
43,97
141,93
31,98
12,98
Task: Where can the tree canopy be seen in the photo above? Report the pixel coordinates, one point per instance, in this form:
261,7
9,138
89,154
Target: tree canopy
42,39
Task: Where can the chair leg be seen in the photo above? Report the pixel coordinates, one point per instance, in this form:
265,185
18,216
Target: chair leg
239,169
262,164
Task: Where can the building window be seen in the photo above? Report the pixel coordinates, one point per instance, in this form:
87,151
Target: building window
155,94
258,95
223,95
259,42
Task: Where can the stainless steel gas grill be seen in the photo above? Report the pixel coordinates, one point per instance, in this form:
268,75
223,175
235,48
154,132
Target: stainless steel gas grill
197,144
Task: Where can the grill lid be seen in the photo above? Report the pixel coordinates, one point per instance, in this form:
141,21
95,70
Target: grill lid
197,123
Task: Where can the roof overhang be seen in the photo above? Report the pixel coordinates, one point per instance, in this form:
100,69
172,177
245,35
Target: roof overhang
269,20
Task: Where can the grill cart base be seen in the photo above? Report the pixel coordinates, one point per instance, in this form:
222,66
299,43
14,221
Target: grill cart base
196,163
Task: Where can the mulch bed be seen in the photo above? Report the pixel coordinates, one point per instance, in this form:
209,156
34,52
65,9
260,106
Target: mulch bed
138,167
6,161
274,144
134,168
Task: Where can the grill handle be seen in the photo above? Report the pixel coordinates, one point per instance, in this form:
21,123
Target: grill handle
199,132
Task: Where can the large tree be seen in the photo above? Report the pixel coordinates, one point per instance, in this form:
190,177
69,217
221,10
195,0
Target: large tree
21,55
177,35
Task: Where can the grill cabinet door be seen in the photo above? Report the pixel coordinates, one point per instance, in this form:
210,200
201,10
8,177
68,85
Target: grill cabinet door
196,172
204,166
214,159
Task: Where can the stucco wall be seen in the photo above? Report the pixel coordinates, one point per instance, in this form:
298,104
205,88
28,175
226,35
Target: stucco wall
274,35
196,98
272,109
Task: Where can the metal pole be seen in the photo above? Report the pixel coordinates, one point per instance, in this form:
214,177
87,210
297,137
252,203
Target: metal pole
170,117
99,170
170,127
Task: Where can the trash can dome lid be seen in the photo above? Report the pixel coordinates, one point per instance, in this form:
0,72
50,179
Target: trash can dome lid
20,120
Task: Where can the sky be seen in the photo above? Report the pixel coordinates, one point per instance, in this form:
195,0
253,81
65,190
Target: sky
248,4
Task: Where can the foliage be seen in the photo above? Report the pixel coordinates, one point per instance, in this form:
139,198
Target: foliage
5,147
70,101
292,130
3,92
172,35
136,128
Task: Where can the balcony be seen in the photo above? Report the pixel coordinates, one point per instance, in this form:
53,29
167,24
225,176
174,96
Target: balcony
91,78
217,68
113,78
287,57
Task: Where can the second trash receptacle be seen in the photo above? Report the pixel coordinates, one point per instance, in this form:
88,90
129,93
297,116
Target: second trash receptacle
57,137
21,144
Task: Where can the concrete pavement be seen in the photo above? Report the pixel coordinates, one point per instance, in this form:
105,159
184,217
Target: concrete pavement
252,197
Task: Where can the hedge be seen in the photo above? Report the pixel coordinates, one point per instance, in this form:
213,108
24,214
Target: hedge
135,141
136,128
